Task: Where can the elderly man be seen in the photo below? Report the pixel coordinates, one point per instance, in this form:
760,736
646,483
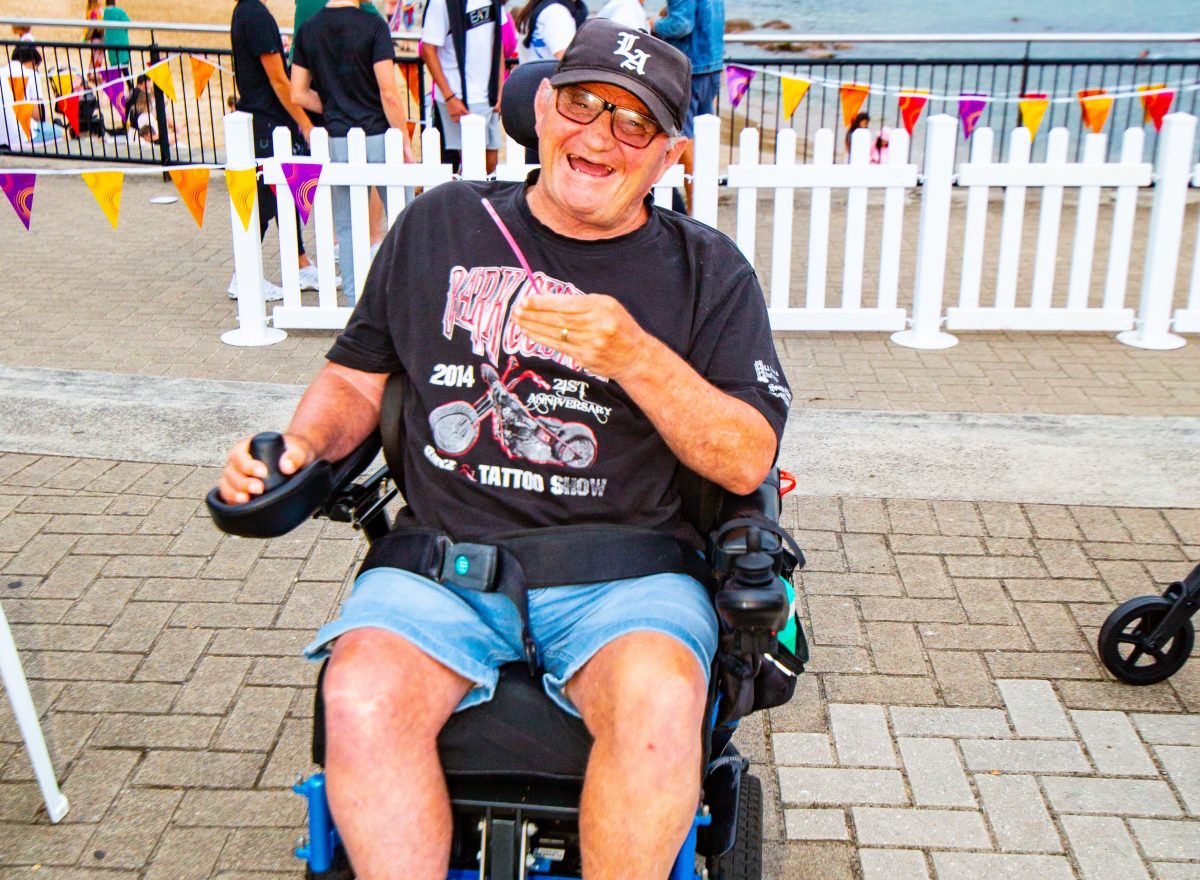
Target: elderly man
647,339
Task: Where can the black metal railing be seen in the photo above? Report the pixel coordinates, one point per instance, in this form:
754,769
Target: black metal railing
821,107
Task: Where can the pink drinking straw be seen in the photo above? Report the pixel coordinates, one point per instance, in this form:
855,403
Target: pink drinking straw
512,243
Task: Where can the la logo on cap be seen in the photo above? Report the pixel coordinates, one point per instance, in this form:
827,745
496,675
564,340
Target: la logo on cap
636,59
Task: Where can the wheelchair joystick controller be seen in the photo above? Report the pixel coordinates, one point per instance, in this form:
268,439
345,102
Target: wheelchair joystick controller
268,447
753,603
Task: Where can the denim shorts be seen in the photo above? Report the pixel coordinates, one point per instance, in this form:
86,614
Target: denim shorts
705,88
474,633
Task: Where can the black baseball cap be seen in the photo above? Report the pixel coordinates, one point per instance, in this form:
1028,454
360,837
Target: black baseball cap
656,72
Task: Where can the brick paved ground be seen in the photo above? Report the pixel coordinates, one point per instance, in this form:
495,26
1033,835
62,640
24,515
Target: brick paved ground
150,298
955,719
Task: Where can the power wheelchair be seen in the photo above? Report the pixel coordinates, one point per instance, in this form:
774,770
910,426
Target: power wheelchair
515,765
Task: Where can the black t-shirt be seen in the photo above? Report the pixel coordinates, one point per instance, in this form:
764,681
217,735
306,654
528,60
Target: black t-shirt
340,48
504,434
254,32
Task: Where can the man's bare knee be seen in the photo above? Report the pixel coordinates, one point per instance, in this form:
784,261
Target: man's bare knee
377,680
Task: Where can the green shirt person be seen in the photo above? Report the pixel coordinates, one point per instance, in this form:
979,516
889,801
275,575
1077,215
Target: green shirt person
116,36
306,9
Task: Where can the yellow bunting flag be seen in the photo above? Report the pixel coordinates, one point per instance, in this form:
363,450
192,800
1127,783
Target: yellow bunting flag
794,90
160,75
1095,104
243,189
1155,106
1032,107
192,184
853,96
106,187
202,71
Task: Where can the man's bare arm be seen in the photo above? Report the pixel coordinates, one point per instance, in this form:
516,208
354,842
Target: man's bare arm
456,106
393,102
338,411
301,91
716,435
272,63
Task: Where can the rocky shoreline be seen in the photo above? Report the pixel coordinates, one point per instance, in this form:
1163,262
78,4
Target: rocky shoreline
808,49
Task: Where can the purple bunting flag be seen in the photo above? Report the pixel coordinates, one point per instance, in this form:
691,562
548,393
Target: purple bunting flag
19,189
302,179
970,108
114,88
737,80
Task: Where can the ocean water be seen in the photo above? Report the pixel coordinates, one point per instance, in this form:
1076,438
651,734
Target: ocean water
981,16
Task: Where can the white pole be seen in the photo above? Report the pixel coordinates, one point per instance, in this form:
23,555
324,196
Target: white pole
932,239
247,245
1162,249
27,719
706,168
747,205
474,144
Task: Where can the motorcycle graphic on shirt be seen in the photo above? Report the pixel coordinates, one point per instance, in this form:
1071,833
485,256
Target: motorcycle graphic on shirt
519,431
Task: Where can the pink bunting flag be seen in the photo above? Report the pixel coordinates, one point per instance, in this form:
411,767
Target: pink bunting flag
302,179
737,80
19,189
970,108
114,88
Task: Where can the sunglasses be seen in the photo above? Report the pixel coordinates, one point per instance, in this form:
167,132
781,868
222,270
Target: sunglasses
628,126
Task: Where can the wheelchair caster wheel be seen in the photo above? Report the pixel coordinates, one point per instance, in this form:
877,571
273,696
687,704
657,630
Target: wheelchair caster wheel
744,860
1124,643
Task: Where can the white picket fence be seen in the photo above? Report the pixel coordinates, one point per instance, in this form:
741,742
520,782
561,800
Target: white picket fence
983,303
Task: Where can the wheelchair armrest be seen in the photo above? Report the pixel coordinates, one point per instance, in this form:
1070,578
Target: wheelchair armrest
284,506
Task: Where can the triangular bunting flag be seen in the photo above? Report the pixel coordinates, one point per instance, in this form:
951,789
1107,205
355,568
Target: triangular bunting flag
853,95
794,90
192,184
202,71
1032,107
1156,105
160,75
106,187
912,102
412,129
19,189
302,179
114,89
1095,104
412,76
243,188
69,107
17,83
970,108
737,81
24,114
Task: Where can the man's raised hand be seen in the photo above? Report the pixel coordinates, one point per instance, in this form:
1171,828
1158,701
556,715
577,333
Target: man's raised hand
243,476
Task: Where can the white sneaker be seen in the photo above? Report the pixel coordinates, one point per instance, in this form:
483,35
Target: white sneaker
271,292
309,279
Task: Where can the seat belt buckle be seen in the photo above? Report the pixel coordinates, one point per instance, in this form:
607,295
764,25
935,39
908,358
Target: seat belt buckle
470,566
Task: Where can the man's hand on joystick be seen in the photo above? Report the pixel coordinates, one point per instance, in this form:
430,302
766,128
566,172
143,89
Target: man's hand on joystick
248,471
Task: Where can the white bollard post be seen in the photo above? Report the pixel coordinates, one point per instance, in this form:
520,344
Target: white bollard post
247,245
27,720
706,168
1171,172
932,240
474,146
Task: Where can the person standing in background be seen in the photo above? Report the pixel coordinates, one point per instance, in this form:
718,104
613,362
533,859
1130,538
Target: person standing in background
462,45
696,28
627,13
548,27
264,92
306,9
344,68
862,120
117,37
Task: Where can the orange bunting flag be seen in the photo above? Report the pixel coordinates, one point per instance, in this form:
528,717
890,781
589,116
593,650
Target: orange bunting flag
1157,105
23,112
202,71
69,107
1095,104
412,129
106,187
1032,107
412,76
794,90
160,75
853,96
243,190
912,102
192,184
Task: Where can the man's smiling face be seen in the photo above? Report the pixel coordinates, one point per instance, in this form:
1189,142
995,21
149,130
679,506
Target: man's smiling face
591,184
